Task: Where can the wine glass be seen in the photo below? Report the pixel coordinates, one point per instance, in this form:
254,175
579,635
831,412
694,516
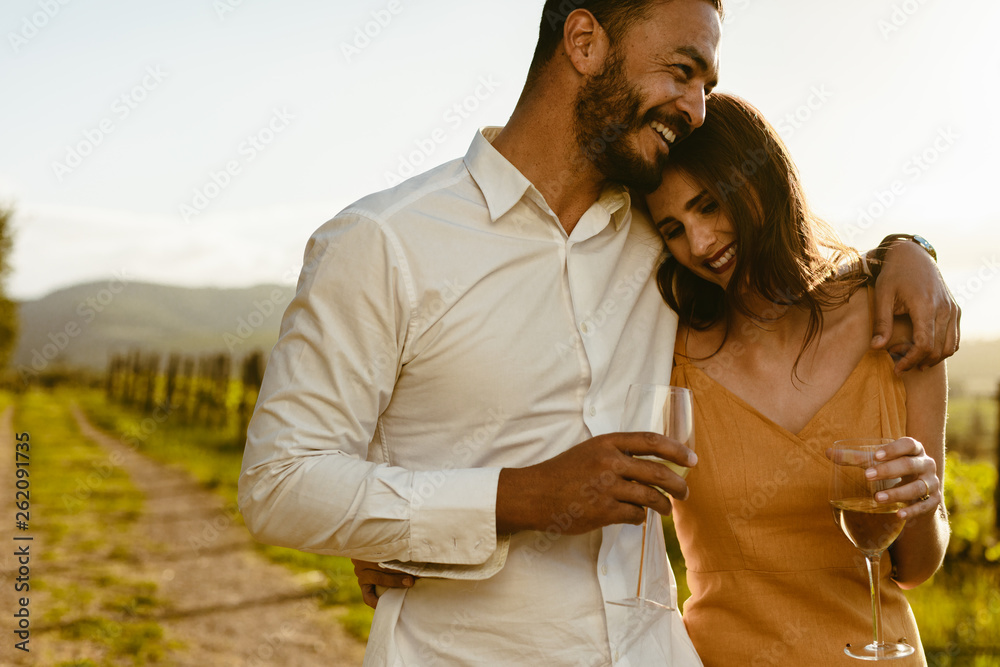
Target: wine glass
656,408
869,525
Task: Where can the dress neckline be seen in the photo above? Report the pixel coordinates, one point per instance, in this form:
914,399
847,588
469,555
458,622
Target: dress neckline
800,435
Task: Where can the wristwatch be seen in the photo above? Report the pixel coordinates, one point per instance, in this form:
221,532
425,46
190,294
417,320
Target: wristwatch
887,242
878,254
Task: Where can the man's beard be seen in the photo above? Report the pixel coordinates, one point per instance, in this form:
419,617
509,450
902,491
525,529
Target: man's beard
608,112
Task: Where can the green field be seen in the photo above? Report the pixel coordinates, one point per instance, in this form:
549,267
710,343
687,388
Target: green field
212,458
958,610
94,603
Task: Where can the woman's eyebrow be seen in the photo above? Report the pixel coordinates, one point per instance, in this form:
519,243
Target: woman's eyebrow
695,200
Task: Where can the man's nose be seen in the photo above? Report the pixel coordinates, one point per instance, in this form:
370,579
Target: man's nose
692,105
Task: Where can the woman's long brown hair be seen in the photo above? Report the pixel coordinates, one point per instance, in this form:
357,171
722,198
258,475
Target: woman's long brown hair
785,254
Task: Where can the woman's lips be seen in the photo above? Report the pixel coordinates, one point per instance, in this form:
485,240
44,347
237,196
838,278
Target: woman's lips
720,261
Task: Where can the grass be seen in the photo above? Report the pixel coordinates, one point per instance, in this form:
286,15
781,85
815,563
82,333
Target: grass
972,426
958,610
212,458
73,494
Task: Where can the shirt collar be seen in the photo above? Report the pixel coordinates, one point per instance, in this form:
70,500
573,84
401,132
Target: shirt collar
504,186
500,181
617,201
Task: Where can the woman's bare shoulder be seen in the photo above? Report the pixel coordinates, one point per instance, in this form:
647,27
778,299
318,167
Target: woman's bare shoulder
850,316
854,320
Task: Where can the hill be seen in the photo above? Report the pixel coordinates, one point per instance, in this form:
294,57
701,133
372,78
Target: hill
81,326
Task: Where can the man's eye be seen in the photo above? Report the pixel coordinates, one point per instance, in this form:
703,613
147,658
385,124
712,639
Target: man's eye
686,71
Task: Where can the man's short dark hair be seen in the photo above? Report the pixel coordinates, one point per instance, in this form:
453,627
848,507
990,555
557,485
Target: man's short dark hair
615,16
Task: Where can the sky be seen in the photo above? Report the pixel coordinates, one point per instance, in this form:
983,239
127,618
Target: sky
201,142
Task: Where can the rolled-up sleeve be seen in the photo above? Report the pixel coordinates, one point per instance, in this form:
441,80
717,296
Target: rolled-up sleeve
307,480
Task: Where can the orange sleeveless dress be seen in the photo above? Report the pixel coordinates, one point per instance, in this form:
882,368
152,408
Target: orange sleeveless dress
773,579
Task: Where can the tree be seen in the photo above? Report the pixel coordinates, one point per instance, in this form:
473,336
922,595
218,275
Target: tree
8,308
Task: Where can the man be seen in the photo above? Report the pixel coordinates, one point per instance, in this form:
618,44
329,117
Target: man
449,378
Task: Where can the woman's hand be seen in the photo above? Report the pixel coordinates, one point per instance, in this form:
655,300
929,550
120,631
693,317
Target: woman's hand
920,489
371,575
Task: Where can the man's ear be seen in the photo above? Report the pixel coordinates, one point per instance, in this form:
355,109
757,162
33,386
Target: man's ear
586,43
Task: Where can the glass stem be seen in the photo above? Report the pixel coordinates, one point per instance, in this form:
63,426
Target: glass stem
874,563
642,557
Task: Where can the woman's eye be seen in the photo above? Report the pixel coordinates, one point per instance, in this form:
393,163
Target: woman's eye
671,232
710,207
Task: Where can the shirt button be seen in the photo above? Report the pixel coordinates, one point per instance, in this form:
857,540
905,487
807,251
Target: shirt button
593,411
585,328
617,657
604,569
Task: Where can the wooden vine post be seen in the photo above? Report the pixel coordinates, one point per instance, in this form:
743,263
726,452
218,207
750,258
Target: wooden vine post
996,490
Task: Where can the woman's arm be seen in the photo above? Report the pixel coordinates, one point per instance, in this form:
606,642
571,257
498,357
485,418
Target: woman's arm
919,460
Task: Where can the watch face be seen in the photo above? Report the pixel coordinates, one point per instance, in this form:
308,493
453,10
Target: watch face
926,245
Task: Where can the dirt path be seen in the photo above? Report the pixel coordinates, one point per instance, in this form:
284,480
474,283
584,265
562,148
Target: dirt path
223,601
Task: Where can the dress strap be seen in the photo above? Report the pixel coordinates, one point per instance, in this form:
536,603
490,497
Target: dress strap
870,289
877,360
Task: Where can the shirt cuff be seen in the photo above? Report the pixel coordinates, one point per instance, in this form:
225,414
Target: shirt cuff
454,516
478,572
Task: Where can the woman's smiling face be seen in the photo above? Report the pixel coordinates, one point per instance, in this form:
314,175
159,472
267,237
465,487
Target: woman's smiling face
697,232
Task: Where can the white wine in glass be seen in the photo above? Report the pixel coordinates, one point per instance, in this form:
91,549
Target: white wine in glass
870,526
669,411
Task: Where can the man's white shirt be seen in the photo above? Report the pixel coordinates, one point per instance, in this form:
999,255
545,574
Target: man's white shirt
441,331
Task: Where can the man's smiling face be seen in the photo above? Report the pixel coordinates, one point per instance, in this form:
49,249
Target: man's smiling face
651,92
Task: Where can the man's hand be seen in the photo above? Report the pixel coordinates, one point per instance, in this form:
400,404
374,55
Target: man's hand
592,485
371,575
911,284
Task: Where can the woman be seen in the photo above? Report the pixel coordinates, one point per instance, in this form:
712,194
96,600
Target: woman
774,343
